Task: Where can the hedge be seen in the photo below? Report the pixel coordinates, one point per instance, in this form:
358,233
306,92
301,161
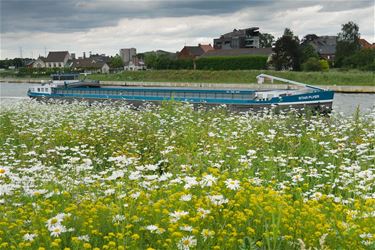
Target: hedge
232,63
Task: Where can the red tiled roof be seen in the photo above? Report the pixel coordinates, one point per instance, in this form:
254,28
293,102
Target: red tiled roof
206,47
366,45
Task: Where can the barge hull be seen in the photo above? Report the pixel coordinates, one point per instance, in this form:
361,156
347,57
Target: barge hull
319,106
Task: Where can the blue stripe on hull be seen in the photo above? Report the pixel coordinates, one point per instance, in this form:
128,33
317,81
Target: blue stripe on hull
316,97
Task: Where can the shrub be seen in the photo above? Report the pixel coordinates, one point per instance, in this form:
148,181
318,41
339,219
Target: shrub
324,66
232,62
312,64
362,59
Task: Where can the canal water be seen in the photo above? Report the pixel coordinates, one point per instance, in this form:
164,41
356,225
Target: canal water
343,103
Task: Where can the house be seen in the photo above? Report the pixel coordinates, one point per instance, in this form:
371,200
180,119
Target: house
89,65
237,39
29,64
135,64
192,52
239,52
366,45
39,63
325,46
57,59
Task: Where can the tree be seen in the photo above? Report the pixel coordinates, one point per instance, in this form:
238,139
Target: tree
151,60
287,52
266,40
116,62
312,64
347,42
307,51
288,32
309,38
363,59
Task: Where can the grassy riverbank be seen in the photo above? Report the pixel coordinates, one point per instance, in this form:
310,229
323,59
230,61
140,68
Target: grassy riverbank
355,78
171,177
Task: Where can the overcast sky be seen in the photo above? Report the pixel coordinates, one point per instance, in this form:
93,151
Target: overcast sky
36,26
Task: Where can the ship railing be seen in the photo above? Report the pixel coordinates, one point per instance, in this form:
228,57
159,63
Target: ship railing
262,77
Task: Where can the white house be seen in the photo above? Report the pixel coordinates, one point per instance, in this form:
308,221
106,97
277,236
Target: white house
134,65
39,63
90,65
57,59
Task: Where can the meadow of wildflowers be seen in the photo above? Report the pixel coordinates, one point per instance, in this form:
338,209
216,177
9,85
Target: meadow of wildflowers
74,176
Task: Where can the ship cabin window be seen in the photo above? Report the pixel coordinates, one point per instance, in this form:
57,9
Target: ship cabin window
38,89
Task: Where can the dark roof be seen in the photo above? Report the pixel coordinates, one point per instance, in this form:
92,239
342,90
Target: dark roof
194,50
88,63
325,44
241,32
30,62
42,58
56,56
238,52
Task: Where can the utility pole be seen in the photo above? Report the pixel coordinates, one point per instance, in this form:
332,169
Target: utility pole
45,51
20,52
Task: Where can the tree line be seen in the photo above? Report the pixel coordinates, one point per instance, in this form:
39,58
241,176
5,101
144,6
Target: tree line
289,53
292,54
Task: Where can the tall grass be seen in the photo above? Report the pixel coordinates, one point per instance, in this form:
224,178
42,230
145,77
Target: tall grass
171,177
241,76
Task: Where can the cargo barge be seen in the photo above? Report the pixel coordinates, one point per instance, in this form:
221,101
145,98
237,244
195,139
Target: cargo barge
68,87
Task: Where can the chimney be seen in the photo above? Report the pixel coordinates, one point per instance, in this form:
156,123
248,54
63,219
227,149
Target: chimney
84,55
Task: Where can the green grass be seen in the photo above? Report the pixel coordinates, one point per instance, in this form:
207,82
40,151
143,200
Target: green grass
333,77
241,76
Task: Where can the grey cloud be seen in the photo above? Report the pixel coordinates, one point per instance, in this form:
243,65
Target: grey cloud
80,15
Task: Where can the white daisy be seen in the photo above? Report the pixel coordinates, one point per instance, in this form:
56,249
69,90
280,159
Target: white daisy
29,237
185,197
232,184
186,242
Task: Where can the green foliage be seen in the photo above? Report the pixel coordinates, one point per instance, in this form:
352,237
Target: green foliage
164,61
307,51
266,40
312,64
161,61
309,38
232,62
287,52
324,65
16,62
240,76
37,72
83,176
116,62
347,42
362,59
